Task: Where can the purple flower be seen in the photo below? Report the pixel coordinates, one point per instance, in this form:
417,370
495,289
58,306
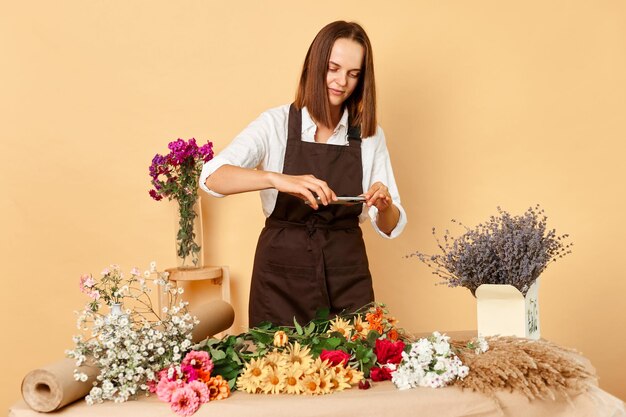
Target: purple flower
156,196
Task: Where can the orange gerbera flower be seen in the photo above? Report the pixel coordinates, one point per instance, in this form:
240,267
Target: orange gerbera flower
218,388
375,318
393,334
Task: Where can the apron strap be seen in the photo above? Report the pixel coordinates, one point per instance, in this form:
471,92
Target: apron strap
354,136
295,124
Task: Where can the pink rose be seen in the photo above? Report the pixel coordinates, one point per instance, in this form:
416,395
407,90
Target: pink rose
335,357
389,352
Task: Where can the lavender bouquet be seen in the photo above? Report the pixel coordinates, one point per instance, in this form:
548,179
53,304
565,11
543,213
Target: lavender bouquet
506,249
175,176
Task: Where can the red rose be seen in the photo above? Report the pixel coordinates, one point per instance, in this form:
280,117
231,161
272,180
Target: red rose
335,357
388,352
380,374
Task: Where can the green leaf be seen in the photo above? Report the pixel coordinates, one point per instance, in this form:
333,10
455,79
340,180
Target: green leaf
298,327
322,313
372,336
217,355
309,329
266,325
333,342
262,338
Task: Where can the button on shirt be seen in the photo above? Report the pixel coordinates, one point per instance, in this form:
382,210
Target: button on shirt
262,145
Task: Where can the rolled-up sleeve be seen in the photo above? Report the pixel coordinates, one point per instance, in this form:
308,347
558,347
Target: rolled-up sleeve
381,170
247,150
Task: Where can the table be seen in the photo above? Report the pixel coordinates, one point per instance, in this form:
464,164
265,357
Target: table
382,400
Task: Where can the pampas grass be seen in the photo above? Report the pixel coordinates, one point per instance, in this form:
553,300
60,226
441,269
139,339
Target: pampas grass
536,368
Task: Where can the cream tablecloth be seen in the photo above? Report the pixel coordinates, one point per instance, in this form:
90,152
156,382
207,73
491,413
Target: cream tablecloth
383,399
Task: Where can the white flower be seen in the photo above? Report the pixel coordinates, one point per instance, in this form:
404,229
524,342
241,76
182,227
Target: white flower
483,346
130,348
153,266
429,363
441,348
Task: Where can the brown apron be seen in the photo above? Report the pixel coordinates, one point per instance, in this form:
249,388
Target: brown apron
310,259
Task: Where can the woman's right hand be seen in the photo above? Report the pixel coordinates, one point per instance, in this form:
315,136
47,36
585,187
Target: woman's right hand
304,187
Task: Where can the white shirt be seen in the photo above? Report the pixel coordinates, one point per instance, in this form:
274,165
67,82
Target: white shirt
262,145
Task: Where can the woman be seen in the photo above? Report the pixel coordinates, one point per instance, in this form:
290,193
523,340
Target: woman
326,144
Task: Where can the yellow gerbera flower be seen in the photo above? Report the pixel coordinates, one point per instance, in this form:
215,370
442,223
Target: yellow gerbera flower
293,380
273,382
341,326
311,384
352,376
319,364
299,354
338,379
325,383
361,327
276,359
250,379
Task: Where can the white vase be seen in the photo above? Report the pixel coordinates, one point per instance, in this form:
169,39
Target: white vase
115,309
502,310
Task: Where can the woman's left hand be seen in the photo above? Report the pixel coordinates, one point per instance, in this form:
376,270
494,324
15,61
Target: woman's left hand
378,195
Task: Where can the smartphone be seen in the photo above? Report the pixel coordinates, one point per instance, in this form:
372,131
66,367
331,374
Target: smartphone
342,200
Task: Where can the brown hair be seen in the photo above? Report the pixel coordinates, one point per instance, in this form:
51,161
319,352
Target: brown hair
312,90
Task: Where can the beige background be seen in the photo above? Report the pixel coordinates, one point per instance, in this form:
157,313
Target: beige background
484,103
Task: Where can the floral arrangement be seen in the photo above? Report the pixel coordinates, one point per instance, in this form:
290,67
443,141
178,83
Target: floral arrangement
506,249
327,355
190,384
128,347
347,340
175,176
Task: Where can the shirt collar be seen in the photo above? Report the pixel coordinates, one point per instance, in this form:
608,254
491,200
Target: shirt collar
308,125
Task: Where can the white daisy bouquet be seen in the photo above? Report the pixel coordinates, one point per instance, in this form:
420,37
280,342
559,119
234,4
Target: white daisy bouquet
431,362
129,347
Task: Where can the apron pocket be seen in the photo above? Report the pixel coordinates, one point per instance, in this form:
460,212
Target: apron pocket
290,291
349,287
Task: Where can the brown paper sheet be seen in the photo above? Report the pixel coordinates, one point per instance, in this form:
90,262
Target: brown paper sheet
52,387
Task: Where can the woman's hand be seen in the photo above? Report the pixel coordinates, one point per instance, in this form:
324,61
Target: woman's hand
388,214
378,196
304,187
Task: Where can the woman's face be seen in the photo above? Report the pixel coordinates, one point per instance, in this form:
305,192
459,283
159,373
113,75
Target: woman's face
344,70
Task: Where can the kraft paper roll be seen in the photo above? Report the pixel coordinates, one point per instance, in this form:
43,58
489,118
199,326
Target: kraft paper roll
215,316
53,386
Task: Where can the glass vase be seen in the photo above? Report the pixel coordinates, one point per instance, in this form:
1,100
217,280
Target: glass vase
189,233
